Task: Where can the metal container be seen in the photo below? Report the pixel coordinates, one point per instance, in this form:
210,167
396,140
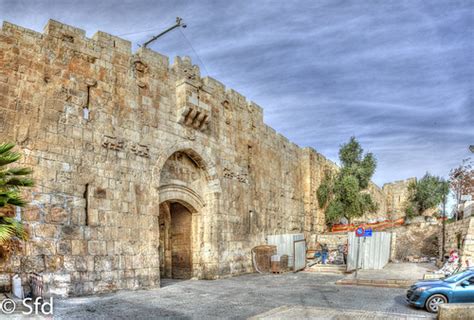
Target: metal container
285,245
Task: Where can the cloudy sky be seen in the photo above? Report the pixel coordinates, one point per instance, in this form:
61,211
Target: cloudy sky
398,75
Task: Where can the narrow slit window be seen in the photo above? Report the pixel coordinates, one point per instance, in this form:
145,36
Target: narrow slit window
86,110
85,113
86,206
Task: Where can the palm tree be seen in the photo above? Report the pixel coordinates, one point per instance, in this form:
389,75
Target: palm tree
11,182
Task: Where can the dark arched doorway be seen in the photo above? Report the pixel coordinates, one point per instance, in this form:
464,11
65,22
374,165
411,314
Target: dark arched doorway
175,241
188,191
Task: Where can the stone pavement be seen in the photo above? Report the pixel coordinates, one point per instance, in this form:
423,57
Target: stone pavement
299,312
239,297
398,275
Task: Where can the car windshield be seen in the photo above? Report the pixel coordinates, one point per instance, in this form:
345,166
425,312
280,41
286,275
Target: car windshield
457,276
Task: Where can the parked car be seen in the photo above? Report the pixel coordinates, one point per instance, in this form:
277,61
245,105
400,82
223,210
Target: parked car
429,294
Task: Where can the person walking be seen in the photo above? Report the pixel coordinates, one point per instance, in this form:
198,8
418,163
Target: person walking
324,253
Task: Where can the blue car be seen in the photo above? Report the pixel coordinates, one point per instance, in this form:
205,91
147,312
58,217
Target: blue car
430,294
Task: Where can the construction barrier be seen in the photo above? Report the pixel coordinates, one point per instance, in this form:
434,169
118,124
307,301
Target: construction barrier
376,226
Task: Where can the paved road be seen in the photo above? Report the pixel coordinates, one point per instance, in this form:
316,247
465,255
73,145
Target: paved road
235,298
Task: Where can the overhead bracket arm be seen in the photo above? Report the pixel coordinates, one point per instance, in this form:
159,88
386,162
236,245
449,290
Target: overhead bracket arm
179,23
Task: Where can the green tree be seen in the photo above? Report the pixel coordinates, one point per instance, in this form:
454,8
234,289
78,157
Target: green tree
461,180
426,193
344,195
12,180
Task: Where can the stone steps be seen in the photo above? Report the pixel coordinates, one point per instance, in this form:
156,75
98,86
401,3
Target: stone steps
327,268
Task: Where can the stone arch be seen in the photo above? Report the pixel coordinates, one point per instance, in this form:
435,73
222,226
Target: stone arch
186,196
201,156
200,198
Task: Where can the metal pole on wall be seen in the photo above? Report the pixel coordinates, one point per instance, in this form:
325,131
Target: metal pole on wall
443,249
358,255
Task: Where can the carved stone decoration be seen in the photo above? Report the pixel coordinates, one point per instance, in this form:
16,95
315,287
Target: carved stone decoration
227,111
226,104
63,94
85,57
116,144
141,84
190,134
67,38
113,143
195,117
240,177
140,150
91,82
140,66
181,167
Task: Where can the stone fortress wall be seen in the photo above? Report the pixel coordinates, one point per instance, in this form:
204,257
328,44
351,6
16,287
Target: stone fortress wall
396,195
117,140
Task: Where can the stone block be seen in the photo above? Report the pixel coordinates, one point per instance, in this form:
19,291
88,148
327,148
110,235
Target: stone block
31,214
57,215
72,232
78,247
103,263
64,247
46,231
43,247
32,264
54,263
456,311
97,248
69,263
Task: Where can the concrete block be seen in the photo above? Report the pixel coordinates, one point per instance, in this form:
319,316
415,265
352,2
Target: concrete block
456,311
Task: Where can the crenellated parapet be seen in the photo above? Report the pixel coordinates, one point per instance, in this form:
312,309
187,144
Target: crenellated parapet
92,58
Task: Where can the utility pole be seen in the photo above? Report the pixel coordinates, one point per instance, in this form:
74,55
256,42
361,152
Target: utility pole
444,228
358,256
179,23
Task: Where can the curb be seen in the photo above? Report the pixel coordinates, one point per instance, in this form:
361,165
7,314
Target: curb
376,283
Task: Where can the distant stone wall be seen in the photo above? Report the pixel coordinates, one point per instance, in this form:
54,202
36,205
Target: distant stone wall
396,195
380,198
332,240
459,236
415,241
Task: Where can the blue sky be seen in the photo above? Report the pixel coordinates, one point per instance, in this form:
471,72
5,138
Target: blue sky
396,74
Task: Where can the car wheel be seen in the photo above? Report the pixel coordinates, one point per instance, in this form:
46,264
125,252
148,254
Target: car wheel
433,302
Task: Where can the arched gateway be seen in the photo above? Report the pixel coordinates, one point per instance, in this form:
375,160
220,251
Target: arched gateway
188,198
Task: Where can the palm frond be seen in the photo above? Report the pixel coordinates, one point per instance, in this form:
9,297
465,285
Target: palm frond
19,182
10,228
12,179
18,171
6,233
18,228
11,197
9,157
4,147
11,182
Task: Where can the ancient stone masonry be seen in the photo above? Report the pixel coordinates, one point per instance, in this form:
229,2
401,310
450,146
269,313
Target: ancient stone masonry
396,194
459,236
143,169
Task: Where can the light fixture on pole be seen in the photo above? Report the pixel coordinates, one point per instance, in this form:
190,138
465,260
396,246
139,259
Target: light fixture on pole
179,23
